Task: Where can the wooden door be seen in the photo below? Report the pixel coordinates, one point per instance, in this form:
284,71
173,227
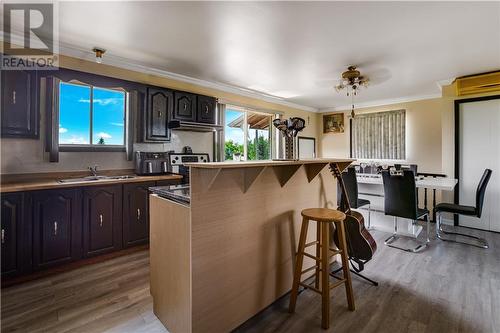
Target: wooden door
136,213
19,104
184,106
102,219
159,107
206,109
15,235
57,227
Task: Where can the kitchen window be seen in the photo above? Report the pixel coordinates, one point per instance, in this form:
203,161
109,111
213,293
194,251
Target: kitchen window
91,117
380,135
247,134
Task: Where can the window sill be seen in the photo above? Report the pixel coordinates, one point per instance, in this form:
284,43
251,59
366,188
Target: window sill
91,149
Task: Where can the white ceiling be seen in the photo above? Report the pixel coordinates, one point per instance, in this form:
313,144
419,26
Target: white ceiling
296,50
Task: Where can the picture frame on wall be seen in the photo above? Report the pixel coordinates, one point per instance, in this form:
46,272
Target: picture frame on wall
333,123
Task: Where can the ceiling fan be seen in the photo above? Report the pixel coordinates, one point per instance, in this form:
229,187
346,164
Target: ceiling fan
352,80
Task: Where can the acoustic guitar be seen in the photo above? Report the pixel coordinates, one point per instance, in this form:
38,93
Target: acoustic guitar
360,243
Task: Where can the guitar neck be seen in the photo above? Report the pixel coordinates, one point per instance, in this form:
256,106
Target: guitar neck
338,174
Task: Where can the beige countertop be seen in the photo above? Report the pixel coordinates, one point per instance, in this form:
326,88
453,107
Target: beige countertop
45,181
249,164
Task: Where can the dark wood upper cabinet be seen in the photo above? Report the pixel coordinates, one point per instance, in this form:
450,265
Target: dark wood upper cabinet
160,103
102,219
206,109
136,213
20,104
184,106
57,227
15,236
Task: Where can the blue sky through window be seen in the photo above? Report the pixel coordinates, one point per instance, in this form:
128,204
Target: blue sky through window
231,133
109,106
74,115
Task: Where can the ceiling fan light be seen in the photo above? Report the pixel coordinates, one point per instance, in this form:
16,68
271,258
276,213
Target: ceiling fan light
99,53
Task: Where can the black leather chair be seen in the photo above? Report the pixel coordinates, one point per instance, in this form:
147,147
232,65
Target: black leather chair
464,210
400,200
351,186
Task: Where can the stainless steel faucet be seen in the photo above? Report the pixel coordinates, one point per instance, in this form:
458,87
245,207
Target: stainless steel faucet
93,170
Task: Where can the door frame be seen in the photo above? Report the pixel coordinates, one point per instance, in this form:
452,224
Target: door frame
458,103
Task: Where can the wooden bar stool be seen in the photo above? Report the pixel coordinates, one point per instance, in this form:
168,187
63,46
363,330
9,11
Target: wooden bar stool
323,218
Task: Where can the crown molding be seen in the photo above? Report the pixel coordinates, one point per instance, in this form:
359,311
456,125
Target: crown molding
443,83
381,102
113,60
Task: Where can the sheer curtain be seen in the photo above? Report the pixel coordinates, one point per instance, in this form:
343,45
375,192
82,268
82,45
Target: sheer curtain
380,135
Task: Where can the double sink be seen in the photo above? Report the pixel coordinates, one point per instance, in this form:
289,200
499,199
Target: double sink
94,178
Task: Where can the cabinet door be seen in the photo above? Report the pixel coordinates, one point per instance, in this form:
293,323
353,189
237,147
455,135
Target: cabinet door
14,236
102,219
206,110
56,227
19,104
136,213
159,107
184,106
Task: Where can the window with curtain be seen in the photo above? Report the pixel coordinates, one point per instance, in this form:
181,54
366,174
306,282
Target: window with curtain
380,135
247,134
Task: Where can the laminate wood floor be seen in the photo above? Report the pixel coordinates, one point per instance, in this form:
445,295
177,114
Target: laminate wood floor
447,288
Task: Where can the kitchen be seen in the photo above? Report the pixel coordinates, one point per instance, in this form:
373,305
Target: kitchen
163,179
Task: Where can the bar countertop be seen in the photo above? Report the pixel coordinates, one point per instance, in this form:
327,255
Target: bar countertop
263,163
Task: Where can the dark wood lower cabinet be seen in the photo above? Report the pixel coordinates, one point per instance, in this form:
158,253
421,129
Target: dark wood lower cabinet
44,229
136,213
15,236
57,227
102,219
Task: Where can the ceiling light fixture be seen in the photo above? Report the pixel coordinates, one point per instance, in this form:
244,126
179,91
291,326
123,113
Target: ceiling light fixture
99,52
351,81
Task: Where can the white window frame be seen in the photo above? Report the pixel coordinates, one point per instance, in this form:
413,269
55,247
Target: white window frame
91,146
246,111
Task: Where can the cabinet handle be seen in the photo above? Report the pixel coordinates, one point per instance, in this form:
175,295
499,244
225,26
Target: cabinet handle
3,236
185,106
14,97
159,114
100,220
206,109
55,228
138,214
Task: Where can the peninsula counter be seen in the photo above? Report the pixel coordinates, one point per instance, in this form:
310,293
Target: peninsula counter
220,260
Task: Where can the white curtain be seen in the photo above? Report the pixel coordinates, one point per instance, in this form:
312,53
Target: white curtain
379,135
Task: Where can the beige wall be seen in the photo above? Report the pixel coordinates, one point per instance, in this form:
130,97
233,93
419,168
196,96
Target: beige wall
423,138
430,139
430,132
27,156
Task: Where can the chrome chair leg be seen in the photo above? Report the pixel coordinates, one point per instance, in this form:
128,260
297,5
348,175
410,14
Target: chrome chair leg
394,236
481,242
416,249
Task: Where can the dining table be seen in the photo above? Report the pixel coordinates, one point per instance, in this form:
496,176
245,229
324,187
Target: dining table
371,185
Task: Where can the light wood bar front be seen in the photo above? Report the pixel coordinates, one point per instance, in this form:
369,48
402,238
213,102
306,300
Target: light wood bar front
229,255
